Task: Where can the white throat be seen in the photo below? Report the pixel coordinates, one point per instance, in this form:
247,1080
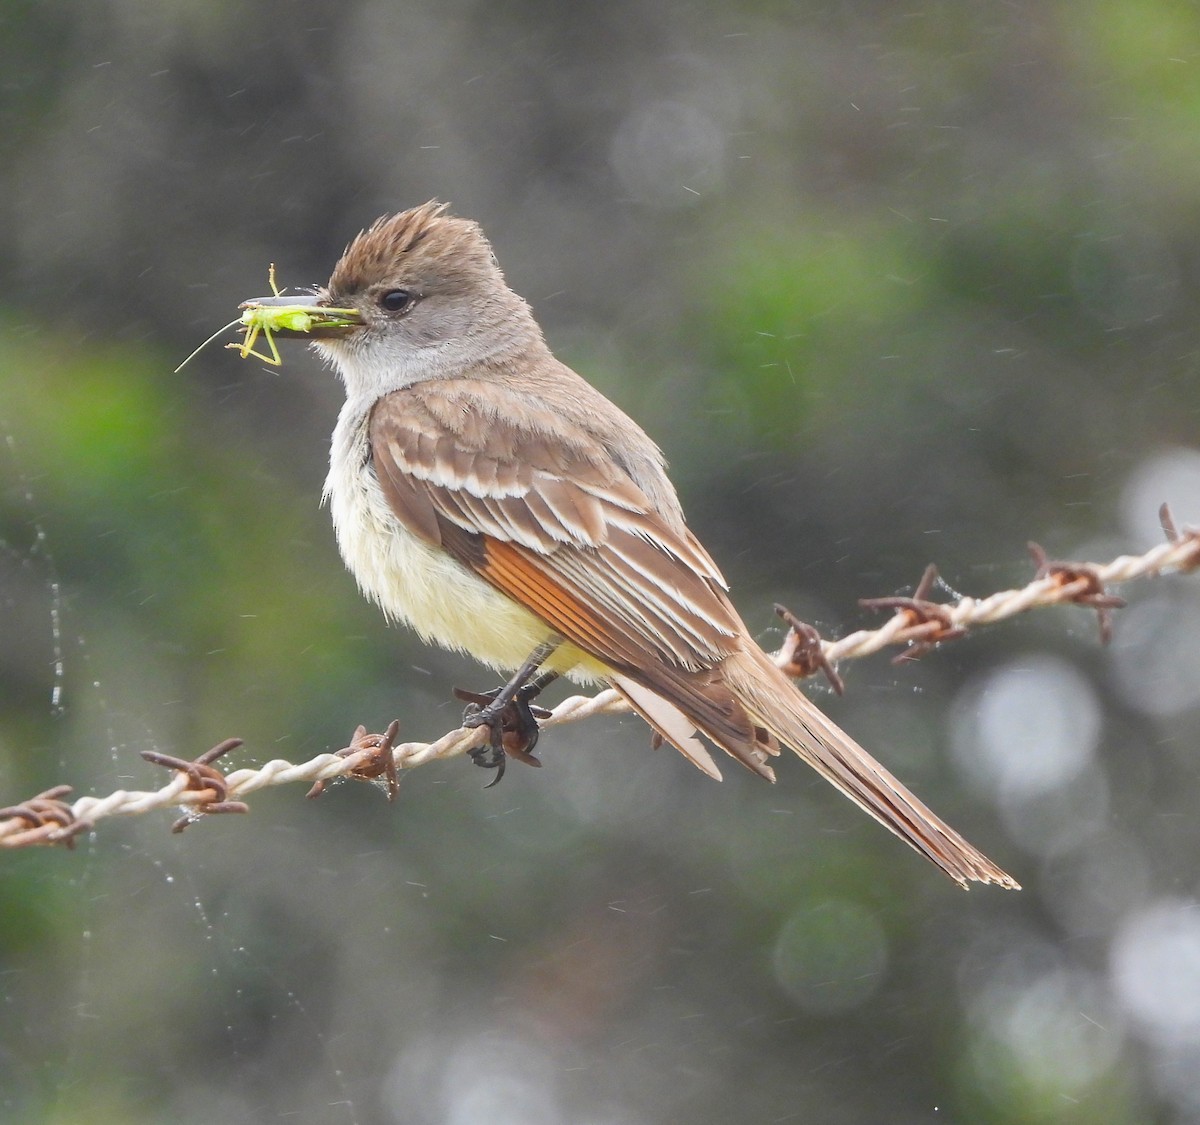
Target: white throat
371,367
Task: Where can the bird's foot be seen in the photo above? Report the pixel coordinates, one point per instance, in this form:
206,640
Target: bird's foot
512,723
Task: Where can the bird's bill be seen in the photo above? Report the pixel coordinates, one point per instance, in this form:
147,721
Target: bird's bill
289,317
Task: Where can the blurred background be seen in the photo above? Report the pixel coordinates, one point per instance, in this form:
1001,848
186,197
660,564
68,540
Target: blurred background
890,283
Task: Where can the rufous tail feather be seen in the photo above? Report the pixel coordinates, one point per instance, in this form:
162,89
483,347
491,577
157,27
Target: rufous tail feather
772,700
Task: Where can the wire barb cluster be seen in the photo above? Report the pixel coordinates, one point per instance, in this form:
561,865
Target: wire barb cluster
917,626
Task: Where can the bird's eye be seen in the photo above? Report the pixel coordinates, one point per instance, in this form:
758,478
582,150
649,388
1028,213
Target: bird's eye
395,300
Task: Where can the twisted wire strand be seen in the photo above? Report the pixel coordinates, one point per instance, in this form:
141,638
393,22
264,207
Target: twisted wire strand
916,626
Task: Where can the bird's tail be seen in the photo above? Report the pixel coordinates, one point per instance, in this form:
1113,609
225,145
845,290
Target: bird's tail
775,703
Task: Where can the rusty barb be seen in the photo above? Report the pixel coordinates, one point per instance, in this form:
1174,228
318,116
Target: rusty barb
204,779
50,819
927,624
377,760
1187,538
1080,583
803,653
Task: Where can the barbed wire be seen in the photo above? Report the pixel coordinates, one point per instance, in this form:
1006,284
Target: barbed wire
916,627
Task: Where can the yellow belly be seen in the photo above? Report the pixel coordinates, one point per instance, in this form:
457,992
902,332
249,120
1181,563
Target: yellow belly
426,588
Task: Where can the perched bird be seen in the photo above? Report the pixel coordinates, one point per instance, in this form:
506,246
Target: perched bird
488,496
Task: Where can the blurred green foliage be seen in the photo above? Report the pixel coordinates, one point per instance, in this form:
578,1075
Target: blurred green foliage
787,318
935,298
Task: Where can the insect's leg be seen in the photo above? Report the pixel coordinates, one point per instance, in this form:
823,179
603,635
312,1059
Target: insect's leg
247,345
276,359
247,348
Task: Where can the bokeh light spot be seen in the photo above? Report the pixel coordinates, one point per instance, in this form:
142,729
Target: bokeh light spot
1025,729
830,957
1058,1031
669,153
1173,476
1155,963
1156,654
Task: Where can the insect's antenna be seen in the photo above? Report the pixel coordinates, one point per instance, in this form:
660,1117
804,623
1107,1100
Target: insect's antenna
201,348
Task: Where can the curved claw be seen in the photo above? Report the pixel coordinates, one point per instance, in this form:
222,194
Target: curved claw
489,757
512,727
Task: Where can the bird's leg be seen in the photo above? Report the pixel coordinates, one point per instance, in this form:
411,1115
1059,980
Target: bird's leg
537,685
508,714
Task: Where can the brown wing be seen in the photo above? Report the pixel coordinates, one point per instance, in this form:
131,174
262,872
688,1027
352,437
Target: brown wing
538,507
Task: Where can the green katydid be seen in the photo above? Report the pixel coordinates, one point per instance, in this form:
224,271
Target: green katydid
268,315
